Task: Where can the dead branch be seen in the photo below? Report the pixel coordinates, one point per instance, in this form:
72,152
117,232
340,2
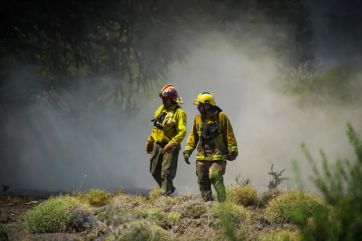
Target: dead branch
276,178
242,181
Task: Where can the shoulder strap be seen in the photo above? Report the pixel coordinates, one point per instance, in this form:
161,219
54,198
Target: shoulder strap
156,117
176,108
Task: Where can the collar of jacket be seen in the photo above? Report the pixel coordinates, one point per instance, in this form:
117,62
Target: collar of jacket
171,107
211,115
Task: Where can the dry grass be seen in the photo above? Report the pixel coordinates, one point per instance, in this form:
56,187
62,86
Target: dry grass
182,217
244,195
284,235
96,197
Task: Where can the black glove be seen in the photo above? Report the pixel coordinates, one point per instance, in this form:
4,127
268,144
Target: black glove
149,147
186,157
231,156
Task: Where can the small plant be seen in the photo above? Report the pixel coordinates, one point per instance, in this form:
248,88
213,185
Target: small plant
52,215
166,203
230,217
81,220
242,181
243,195
267,196
341,186
115,216
96,197
163,219
276,178
138,231
193,208
284,235
293,207
155,193
129,201
237,214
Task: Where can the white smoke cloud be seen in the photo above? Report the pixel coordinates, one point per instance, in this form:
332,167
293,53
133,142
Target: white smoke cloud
268,125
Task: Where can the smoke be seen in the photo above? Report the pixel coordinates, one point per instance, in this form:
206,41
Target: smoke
268,125
104,147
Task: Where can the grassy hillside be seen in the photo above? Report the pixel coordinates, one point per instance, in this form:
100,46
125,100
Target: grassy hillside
246,215
100,215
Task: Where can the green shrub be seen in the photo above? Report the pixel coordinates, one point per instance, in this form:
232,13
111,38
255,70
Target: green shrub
52,215
293,207
138,231
193,208
96,197
238,214
129,201
166,202
230,218
281,236
163,219
114,216
341,186
155,193
267,196
243,195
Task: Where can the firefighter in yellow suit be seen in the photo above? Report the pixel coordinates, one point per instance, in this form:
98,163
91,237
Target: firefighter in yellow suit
213,136
169,129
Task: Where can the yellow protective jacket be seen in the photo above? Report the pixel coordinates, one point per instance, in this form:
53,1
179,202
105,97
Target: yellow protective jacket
223,144
172,127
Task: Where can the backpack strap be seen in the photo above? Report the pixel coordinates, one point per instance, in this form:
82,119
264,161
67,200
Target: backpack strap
204,127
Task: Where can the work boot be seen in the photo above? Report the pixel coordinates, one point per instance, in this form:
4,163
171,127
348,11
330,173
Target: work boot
169,192
207,196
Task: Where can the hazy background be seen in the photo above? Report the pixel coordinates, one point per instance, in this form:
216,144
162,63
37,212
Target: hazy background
55,150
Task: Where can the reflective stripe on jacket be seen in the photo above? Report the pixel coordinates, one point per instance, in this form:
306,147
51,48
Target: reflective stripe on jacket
173,126
223,144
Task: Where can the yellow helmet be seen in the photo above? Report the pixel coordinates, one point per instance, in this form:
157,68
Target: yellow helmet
205,97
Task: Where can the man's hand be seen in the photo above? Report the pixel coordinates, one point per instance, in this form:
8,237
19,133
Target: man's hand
169,146
230,157
186,157
149,147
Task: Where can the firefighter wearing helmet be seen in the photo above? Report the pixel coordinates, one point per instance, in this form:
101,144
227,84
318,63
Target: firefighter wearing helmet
213,136
169,129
